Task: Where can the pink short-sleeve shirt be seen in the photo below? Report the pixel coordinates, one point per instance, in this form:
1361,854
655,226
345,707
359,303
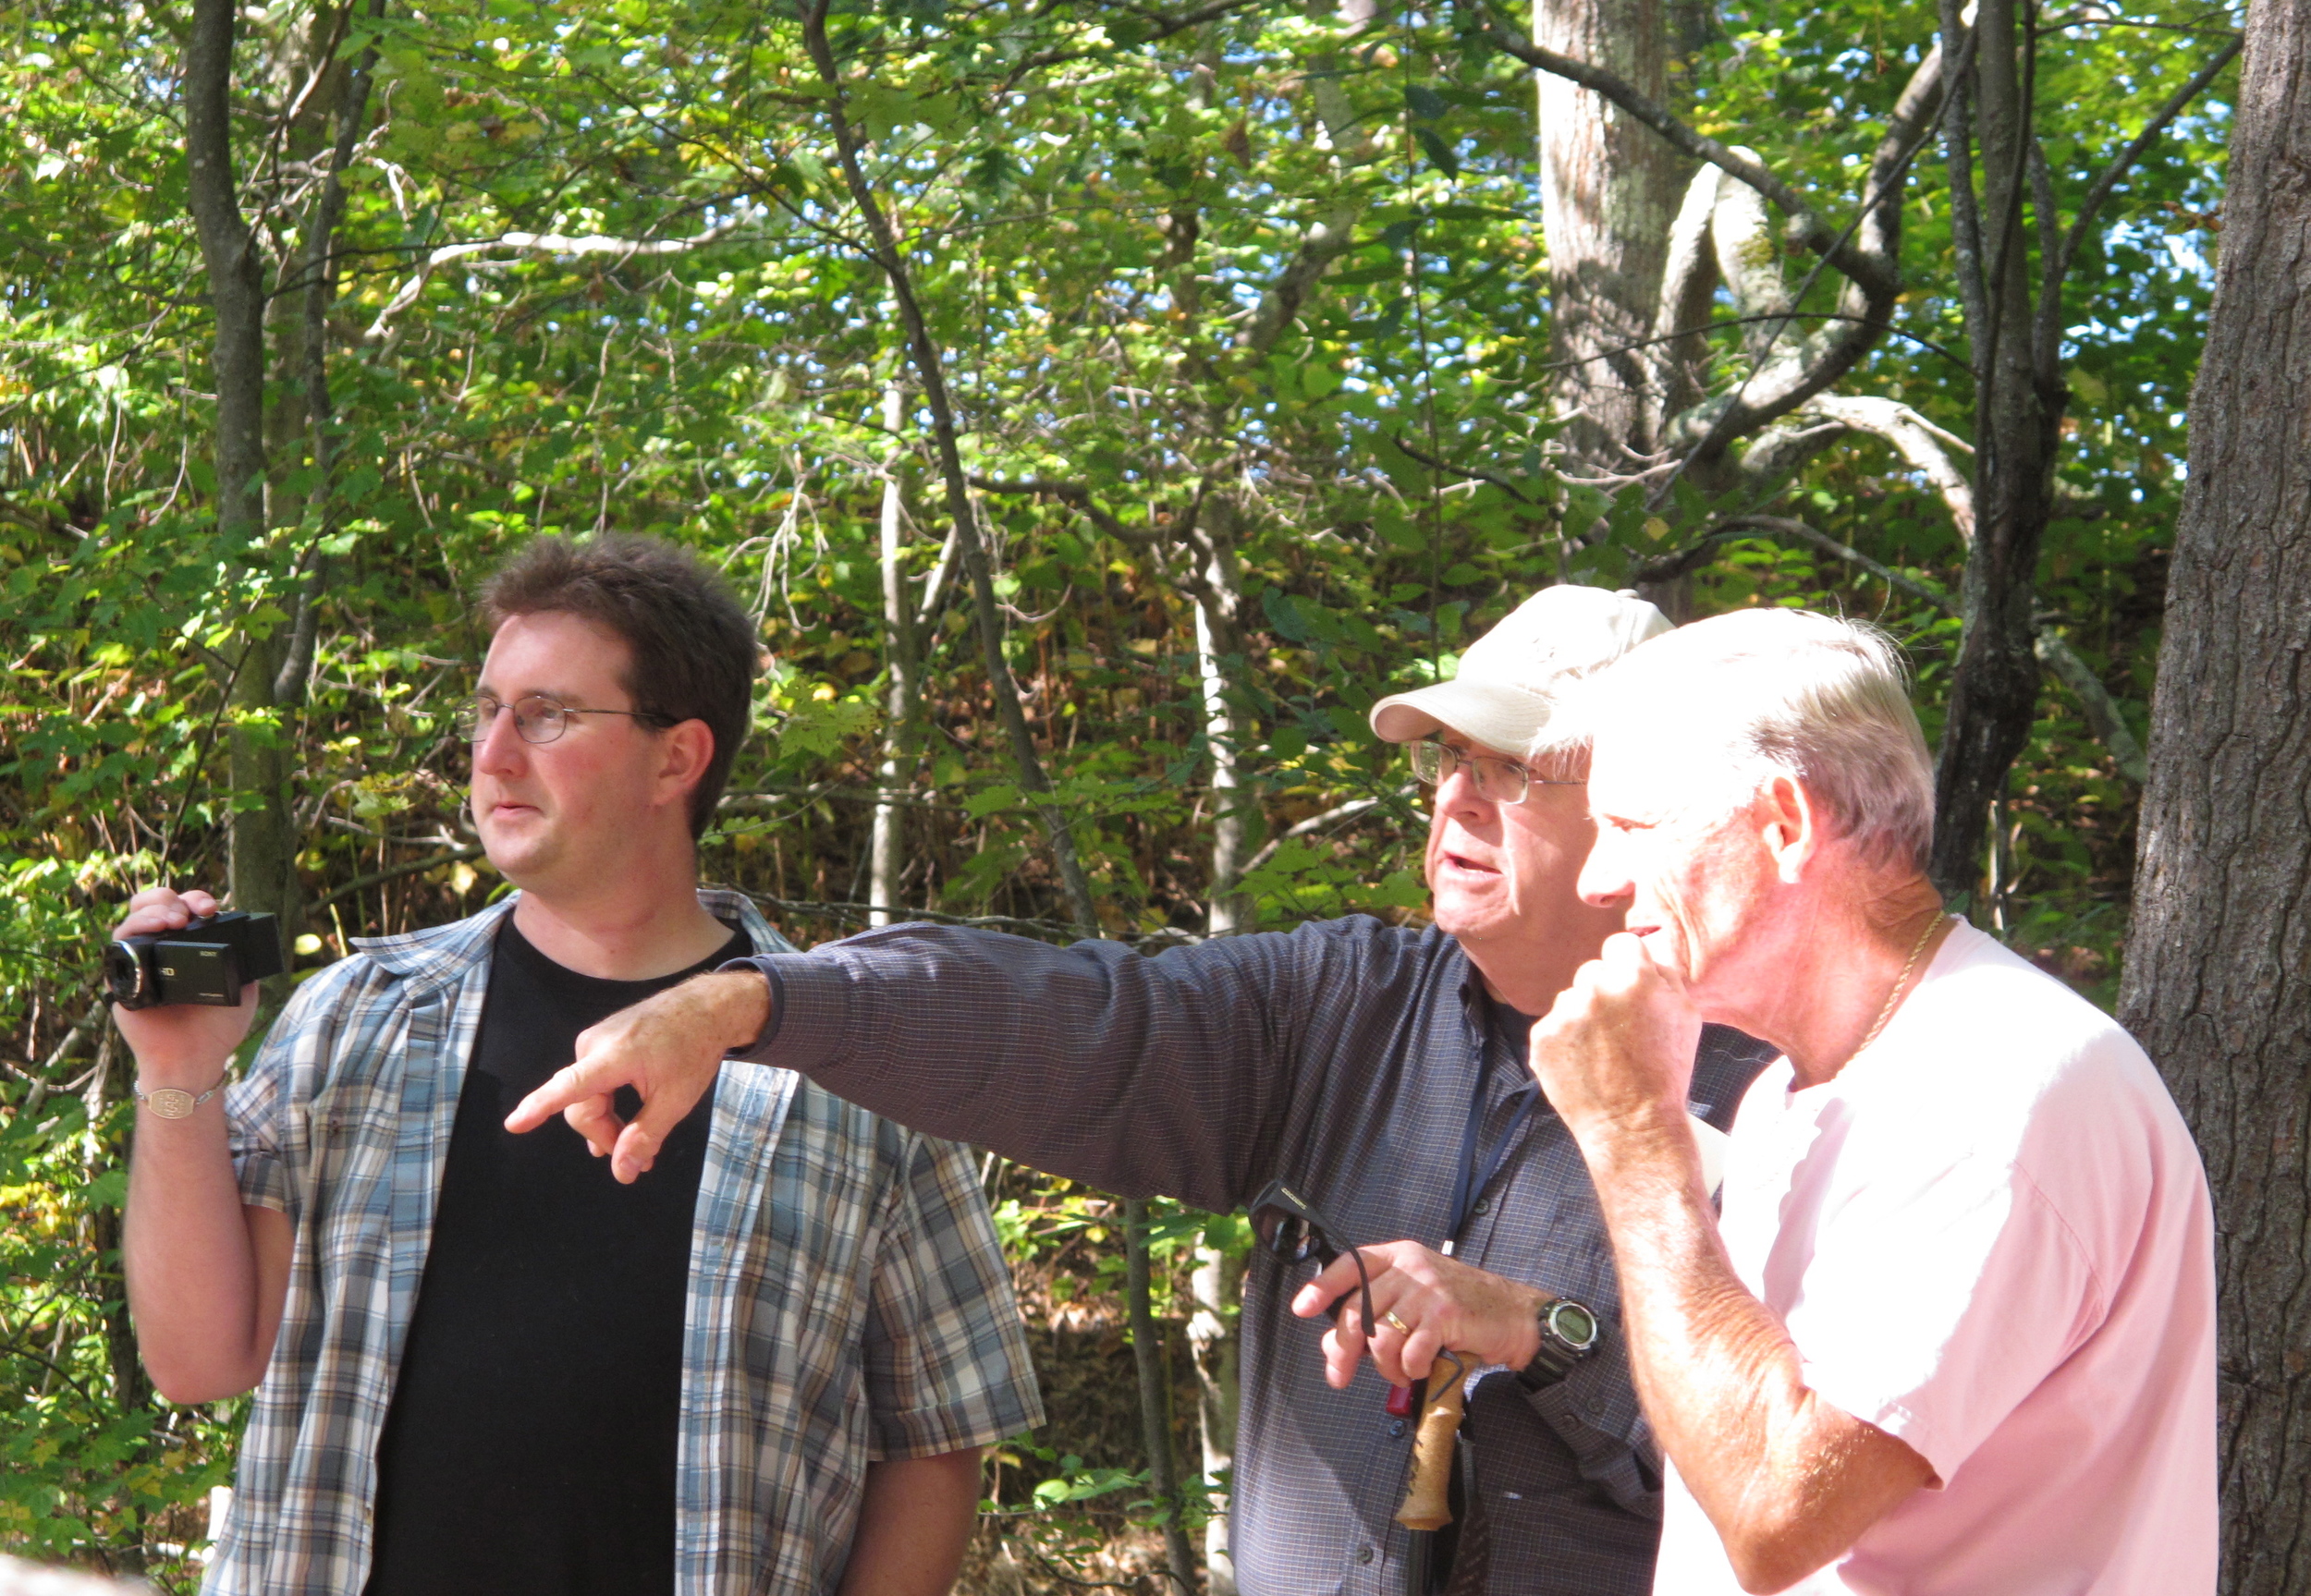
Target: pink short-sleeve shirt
1989,1236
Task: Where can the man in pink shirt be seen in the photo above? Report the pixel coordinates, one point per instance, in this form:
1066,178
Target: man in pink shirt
1955,1331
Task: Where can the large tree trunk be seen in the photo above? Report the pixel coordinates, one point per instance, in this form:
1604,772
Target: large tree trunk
1609,193
2217,982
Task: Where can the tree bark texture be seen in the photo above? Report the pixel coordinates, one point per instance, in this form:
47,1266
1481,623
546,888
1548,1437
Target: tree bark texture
1610,188
2217,976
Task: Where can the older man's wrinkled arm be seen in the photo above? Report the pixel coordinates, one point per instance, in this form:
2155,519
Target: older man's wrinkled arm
1790,1480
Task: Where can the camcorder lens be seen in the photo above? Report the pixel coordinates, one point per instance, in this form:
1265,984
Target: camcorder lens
124,973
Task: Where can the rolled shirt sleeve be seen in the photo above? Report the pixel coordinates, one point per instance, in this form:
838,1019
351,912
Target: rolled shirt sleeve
252,1136
947,1366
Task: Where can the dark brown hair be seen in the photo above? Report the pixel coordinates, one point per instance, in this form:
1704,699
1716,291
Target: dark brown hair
692,647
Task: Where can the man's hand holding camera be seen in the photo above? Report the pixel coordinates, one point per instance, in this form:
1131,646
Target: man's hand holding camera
180,1047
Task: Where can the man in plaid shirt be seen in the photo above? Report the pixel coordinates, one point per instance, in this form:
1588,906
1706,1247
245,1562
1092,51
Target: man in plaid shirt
481,1364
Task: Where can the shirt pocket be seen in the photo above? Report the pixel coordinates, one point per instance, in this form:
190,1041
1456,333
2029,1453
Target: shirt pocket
351,1128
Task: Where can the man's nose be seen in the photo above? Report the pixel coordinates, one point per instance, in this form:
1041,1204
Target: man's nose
501,748
1606,880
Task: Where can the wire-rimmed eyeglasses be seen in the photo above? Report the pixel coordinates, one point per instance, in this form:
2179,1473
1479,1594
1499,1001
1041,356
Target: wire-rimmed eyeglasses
537,718
1495,779
1289,1226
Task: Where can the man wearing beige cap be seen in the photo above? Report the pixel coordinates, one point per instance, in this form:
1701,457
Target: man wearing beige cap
1362,1080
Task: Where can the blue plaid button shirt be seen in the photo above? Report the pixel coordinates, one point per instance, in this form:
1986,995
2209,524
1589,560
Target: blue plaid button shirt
848,1297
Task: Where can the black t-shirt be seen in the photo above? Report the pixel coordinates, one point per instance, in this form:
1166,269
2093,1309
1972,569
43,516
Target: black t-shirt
530,1444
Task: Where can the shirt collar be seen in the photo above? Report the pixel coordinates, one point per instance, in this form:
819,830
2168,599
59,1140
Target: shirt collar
440,953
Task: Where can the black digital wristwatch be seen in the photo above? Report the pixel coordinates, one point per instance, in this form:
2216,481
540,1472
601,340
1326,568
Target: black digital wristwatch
1567,1333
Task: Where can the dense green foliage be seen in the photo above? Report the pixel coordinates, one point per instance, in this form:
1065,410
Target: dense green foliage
1096,204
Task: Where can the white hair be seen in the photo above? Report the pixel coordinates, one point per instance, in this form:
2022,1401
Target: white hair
1560,750
1788,692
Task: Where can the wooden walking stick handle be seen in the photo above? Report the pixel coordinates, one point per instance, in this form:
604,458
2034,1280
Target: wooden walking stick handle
1427,1498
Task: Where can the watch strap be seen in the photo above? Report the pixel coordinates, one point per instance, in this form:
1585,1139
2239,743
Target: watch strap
175,1102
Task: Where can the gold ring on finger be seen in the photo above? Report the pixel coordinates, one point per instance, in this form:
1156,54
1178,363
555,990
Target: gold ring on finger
1393,1322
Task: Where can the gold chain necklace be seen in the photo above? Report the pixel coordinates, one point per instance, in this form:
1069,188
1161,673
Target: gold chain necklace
1894,997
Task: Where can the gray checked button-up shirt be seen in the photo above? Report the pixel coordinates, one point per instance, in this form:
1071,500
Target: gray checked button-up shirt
1344,1056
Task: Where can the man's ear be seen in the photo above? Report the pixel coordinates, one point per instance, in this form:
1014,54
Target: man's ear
686,750
1789,827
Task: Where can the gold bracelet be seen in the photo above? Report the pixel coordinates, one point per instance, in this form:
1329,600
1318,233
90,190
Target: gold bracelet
174,1103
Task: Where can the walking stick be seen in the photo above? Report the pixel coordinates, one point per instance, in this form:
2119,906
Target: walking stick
1427,1498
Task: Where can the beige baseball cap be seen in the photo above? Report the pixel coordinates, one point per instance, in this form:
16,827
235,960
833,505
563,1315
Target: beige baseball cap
1506,685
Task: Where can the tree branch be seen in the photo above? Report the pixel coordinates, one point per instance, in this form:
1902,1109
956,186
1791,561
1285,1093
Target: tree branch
2109,725
1164,28
931,369
1466,473
2099,193
1325,241
1075,495
289,683
1965,207
393,872
1316,823
543,244
1774,387
1917,440
935,589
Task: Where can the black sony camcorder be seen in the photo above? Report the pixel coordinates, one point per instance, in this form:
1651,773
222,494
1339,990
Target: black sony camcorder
207,961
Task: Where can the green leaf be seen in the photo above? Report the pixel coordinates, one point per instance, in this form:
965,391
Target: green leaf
1440,153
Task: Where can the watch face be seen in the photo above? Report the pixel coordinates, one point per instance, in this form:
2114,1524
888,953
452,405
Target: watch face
1573,1324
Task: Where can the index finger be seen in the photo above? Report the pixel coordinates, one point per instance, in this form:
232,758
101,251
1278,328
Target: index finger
1316,1296
567,1086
